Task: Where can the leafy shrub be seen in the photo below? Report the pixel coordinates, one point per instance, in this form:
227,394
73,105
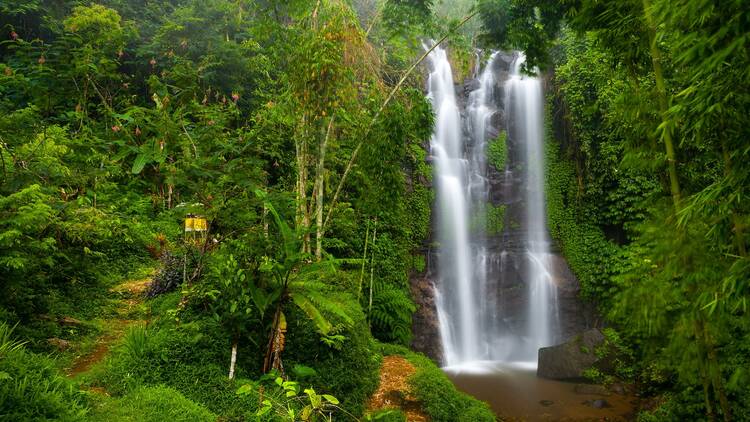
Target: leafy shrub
136,341
392,307
153,404
350,373
31,388
392,310
169,276
686,405
287,400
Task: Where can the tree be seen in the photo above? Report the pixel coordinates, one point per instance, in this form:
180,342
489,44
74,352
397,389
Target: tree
294,279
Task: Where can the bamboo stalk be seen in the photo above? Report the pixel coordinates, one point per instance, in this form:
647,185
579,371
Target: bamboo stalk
674,183
372,266
364,260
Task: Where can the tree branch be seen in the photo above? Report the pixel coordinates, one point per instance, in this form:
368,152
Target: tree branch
353,158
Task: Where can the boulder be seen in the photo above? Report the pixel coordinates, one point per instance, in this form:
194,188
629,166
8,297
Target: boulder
70,321
591,389
58,343
598,404
569,360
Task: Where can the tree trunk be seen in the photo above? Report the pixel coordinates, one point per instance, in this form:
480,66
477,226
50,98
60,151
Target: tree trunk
714,371
233,361
265,220
703,369
269,348
303,215
319,192
737,226
276,343
707,396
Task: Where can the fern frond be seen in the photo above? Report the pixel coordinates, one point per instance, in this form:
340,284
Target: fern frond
320,321
391,313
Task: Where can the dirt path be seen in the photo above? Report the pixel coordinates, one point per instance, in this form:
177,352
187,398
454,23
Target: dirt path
132,293
393,391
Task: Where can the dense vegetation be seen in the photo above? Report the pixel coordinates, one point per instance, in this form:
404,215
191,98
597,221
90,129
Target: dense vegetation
648,131
298,132
293,128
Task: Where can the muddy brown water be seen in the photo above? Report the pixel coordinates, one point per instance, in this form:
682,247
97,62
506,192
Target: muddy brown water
515,393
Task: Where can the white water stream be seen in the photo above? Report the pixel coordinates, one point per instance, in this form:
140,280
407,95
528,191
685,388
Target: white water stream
457,302
524,102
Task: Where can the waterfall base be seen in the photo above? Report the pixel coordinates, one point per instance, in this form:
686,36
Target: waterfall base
514,392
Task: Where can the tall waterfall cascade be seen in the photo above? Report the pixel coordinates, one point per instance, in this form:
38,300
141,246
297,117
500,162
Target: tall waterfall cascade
474,269
457,300
525,108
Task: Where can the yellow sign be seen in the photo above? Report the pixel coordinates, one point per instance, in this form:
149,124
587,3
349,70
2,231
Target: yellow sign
196,224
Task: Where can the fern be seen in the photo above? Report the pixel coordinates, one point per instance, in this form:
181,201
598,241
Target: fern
391,314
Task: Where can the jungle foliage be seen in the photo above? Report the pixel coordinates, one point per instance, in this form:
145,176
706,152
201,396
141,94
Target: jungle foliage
282,124
646,190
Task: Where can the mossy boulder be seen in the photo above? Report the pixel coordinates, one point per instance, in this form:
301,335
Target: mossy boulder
570,360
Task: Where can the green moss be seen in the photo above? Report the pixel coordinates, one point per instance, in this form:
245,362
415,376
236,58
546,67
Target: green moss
389,415
418,263
497,151
462,57
495,219
593,258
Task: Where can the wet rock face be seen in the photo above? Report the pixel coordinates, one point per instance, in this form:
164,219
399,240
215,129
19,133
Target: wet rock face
569,360
425,323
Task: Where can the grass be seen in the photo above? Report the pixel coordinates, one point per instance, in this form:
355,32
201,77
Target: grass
151,404
190,357
31,386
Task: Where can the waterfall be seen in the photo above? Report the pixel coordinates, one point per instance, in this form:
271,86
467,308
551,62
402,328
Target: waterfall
468,297
524,102
456,299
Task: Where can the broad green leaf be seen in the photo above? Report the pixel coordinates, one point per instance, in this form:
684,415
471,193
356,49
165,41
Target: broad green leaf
245,390
331,399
